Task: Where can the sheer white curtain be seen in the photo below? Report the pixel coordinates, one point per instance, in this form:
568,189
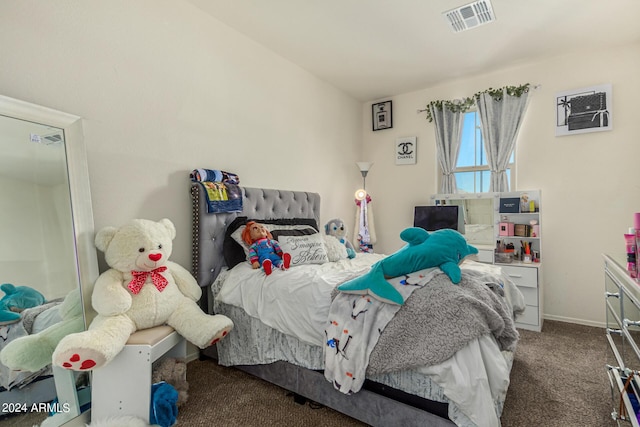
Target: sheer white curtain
501,119
448,125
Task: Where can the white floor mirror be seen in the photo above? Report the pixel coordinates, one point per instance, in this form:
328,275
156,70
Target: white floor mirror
46,250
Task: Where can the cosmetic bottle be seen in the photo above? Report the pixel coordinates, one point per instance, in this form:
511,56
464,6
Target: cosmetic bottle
632,252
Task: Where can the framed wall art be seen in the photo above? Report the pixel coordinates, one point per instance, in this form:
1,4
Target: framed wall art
381,115
405,149
584,110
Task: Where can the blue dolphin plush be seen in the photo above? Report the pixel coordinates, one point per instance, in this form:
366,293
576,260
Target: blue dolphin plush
443,248
16,299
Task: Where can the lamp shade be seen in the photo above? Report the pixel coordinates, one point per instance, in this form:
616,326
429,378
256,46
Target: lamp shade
364,166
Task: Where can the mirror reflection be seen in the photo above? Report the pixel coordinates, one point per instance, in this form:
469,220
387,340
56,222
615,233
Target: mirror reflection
39,287
475,215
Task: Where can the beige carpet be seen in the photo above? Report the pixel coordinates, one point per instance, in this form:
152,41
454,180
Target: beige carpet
558,379
223,397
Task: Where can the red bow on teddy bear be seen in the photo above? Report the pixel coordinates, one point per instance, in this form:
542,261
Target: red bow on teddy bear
140,277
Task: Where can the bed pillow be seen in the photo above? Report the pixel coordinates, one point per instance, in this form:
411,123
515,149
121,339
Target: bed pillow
235,250
231,251
307,249
276,230
299,230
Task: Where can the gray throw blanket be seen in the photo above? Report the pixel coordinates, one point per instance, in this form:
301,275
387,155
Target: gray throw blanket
441,318
437,319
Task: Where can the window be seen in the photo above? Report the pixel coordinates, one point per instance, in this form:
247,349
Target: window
472,171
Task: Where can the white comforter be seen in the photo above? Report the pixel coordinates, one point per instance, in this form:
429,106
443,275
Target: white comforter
281,301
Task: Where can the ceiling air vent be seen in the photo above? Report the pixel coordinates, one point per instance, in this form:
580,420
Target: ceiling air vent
470,15
52,138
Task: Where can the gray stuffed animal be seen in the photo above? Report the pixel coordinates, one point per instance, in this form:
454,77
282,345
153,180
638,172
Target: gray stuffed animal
338,229
173,371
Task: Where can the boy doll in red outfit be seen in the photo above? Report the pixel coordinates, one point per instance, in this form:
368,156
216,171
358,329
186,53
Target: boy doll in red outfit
263,249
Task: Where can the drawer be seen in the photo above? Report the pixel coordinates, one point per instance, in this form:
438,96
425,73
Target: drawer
485,256
629,355
616,346
629,305
610,285
614,303
529,316
617,383
613,313
530,295
522,276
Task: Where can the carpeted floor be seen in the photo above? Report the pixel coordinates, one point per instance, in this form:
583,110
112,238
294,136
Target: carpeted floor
558,379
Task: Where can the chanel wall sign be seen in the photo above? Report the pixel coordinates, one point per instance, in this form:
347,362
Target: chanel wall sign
406,150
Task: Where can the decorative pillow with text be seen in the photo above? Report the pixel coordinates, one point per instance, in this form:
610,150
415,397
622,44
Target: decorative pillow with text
277,232
235,250
305,249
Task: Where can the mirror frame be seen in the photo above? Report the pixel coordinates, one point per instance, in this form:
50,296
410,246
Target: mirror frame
81,207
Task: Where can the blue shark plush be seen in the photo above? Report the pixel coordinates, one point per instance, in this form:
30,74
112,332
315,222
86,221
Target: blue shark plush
443,248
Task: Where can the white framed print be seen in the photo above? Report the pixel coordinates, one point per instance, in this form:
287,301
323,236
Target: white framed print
584,110
405,150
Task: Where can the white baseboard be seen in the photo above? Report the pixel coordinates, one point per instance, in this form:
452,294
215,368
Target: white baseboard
573,320
193,352
192,355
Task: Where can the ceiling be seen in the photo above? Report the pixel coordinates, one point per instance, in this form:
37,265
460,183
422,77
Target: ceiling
372,49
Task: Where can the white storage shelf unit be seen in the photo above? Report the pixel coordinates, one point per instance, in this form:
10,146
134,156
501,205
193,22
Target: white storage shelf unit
123,386
526,276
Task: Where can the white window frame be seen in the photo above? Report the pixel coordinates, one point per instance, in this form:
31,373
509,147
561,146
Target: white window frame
482,168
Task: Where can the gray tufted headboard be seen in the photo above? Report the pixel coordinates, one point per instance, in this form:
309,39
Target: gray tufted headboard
208,229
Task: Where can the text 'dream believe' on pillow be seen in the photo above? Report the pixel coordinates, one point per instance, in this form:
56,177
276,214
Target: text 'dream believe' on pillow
276,231
304,249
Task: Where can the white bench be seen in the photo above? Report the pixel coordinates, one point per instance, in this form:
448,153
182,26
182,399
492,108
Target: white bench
123,386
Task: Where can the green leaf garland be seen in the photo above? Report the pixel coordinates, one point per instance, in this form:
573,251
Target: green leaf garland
465,104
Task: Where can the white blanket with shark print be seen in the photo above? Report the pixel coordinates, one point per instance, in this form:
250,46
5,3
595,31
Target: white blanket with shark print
354,327
438,319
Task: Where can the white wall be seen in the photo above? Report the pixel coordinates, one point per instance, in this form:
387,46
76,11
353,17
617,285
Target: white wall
34,250
164,89
589,182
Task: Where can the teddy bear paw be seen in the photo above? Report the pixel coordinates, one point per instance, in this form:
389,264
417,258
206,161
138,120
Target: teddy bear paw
223,333
81,360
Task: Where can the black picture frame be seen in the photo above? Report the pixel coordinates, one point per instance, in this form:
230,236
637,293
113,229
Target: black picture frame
381,116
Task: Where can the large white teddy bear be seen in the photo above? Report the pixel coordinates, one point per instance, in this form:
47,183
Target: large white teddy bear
142,289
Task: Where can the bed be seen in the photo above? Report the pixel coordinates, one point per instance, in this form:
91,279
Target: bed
23,387
423,395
